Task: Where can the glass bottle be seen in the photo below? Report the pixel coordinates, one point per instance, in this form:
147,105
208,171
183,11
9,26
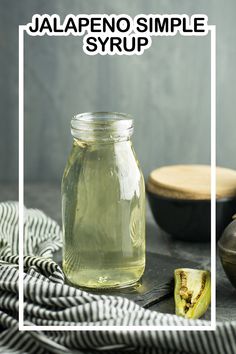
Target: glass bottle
103,204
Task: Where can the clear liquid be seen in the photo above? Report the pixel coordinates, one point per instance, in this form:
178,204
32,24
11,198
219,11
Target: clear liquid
103,207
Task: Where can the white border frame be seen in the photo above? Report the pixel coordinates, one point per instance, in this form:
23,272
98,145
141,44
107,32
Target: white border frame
210,327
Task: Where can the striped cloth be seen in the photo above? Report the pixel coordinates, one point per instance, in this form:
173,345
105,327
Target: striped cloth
49,301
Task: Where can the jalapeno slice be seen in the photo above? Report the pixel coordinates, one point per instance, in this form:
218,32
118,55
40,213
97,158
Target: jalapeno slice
192,292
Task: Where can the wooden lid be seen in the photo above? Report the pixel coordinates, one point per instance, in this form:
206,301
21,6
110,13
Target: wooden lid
191,182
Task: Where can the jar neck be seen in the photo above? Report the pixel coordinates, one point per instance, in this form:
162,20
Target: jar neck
102,127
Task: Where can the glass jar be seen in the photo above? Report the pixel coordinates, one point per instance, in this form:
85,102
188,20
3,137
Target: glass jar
103,204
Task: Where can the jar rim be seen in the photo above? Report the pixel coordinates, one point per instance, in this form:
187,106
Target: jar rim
102,126
106,115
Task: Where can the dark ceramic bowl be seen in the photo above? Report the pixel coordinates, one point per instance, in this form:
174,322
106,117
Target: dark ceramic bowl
190,220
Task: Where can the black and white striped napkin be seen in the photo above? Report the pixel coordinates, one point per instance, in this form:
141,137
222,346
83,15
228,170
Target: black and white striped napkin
49,301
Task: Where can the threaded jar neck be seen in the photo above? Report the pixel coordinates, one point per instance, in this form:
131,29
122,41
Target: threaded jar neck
102,126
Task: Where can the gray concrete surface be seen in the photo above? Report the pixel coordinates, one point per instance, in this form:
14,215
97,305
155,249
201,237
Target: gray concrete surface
167,89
